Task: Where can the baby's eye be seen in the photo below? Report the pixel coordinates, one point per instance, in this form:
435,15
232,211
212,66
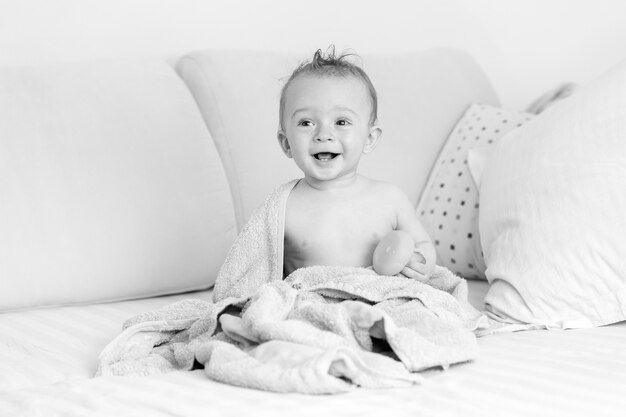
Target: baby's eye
305,123
343,122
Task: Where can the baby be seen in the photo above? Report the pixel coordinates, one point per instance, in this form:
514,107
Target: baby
335,216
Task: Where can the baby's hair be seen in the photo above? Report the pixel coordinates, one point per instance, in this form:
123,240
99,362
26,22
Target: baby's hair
331,64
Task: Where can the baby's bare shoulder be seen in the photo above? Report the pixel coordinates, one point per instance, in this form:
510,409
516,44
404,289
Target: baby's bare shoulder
388,191
391,195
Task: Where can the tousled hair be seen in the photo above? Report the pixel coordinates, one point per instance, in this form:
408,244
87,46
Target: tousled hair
331,64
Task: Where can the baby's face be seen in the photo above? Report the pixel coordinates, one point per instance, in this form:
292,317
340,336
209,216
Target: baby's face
326,126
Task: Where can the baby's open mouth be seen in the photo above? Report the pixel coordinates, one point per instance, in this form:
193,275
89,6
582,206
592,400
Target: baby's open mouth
325,156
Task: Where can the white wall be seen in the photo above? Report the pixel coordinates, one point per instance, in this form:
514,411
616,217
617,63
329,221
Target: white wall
526,46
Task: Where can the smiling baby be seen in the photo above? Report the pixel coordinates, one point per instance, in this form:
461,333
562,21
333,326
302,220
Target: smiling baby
334,215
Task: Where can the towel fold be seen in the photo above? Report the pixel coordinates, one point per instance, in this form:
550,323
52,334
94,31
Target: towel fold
323,329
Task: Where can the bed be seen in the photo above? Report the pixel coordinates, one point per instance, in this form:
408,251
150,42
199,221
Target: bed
48,366
125,183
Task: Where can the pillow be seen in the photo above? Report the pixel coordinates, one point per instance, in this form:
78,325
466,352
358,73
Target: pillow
448,208
111,187
476,160
552,212
551,97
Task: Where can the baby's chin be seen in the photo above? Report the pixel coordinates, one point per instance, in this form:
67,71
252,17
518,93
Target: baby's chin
331,180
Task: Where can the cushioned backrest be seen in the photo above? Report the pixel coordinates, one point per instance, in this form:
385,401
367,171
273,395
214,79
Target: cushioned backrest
110,186
421,96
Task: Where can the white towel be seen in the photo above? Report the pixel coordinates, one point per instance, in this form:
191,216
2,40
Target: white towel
321,330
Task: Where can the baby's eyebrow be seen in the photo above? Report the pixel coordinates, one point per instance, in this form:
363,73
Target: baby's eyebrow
336,108
345,108
304,109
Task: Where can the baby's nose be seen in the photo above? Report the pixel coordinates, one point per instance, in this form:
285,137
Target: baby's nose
324,135
324,138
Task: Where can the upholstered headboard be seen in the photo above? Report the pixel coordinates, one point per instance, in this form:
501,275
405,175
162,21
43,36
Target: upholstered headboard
110,185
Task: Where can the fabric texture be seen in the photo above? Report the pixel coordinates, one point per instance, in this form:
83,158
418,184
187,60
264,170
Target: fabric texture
110,183
552,220
47,363
449,206
318,331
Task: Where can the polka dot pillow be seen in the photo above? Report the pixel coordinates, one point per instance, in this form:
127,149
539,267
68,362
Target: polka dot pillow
448,207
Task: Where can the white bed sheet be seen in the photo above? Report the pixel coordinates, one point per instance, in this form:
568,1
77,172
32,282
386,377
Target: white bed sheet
48,357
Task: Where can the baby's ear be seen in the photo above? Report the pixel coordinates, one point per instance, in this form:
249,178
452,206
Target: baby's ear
284,143
372,139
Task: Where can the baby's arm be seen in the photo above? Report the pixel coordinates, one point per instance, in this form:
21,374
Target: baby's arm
422,262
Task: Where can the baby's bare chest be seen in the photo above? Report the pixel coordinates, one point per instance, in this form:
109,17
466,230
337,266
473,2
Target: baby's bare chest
345,232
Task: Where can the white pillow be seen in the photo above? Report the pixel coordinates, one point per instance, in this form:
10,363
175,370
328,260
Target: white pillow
476,160
553,212
110,186
448,208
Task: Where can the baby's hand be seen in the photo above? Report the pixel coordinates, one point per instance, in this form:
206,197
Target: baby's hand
422,262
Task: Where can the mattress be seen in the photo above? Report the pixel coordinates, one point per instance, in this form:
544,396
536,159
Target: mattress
48,358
